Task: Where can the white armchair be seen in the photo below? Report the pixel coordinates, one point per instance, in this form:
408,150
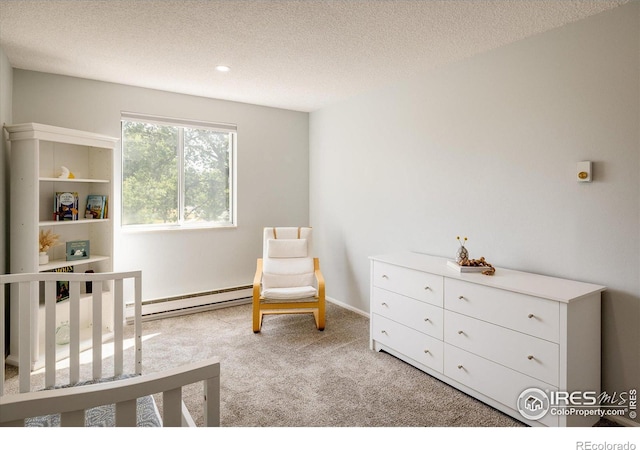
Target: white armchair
288,278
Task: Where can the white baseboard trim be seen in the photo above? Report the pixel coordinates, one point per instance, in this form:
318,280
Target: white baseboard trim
347,306
192,303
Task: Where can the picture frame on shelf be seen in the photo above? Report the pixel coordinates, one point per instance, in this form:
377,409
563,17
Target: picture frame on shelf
77,250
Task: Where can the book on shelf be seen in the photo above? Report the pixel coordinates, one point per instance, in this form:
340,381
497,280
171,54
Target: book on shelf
96,207
77,250
62,287
66,206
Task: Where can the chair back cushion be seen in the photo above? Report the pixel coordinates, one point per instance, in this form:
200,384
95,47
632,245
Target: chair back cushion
287,258
287,248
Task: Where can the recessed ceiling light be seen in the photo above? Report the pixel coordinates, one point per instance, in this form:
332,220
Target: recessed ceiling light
223,68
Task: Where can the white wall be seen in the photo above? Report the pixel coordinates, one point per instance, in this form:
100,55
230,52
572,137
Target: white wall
272,186
487,148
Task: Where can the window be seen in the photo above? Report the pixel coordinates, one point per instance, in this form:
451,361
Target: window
177,173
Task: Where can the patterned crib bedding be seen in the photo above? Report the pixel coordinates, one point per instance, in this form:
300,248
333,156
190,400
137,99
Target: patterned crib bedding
104,416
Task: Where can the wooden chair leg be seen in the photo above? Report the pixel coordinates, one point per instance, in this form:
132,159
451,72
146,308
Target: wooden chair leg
257,316
318,314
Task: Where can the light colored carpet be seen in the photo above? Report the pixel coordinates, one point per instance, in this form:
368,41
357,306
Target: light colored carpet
291,375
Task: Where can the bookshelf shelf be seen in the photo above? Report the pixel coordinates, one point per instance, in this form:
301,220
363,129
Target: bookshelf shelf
64,223
59,263
73,180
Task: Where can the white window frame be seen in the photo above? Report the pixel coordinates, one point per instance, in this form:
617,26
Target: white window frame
181,124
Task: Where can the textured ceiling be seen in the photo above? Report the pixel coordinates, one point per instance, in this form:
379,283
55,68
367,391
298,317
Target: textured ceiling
299,55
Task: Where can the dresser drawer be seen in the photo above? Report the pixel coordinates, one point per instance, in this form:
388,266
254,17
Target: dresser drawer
527,354
423,349
422,286
493,380
415,314
531,315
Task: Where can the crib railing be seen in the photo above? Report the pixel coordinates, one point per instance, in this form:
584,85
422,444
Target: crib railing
27,285
71,403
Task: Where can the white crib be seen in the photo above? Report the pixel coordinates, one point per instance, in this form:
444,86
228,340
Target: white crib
101,399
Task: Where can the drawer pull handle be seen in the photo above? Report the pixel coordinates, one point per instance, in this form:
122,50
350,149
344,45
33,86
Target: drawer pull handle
530,316
426,288
385,277
427,351
530,357
384,304
426,319
384,332
460,332
461,297
460,366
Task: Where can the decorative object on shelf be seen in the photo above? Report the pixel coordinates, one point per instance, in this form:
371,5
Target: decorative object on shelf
62,287
63,333
77,250
96,207
43,258
464,269
66,206
464,264
462,255
66,173
47,239
482,264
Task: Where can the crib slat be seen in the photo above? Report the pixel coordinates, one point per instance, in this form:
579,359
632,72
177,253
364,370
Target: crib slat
50,333
14,424
2,321
72,419
126,413
211,389
172,408
74,343
24,342
138,322
35,305
118,326
97,329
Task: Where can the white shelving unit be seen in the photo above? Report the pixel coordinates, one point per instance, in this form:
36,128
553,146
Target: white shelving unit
37,154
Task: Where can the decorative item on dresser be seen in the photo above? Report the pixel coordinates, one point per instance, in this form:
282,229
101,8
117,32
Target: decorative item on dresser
491,337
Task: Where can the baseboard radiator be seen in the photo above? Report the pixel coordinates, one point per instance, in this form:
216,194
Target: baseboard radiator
192,303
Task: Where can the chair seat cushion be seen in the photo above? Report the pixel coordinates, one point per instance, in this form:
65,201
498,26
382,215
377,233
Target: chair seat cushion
289,293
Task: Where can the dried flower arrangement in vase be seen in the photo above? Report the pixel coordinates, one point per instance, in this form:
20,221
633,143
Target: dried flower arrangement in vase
47,240
462,255
462,259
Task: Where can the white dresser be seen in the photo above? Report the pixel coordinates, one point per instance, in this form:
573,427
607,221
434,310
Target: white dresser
492,337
